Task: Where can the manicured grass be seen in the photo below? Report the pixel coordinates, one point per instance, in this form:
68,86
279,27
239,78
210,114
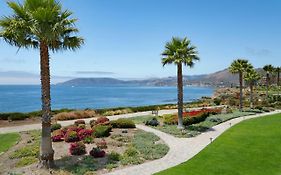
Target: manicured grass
252,147
8,140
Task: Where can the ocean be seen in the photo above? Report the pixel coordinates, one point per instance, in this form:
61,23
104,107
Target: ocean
27,98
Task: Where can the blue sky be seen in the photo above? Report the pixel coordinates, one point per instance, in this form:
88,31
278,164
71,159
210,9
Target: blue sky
124,38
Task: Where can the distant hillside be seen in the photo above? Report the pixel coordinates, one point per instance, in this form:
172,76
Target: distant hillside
220,78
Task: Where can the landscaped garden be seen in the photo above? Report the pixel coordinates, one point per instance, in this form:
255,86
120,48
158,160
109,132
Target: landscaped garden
96,147
251,147
195,121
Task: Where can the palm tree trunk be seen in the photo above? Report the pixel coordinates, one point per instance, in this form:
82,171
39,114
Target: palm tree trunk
267,84
251,96
46,150
241,90
180,97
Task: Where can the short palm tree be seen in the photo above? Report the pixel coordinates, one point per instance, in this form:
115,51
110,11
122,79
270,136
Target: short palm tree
45,26
240,66
277,70
268,69
180,52
252,77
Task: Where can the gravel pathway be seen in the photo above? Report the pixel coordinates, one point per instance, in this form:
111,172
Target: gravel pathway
181,149
70,122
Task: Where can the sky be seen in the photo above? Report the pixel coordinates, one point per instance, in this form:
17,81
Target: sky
124,38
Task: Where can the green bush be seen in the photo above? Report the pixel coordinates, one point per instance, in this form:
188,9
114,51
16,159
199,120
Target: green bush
55,126
123,123
114,157
170,119
152,122
13,116
217,101
101,131
131,152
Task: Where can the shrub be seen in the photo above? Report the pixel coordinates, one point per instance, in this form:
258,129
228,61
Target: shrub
78,122
102,131
85,133
71,136
217,101
81,126
131,152
55,126
73,128
123,123
74,115
92,123
170,119
152,122
97,153
101,144
57,136
88,140
194,120
102,121
114,157
77,148
13,116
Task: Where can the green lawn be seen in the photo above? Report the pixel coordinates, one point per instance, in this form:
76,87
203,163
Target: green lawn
7,141
252,147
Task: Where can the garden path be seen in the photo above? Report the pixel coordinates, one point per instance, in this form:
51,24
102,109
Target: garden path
181,149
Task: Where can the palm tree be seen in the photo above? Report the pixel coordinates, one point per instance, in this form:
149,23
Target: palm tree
240,66
268,69
251,77
180,52
45,26
277,70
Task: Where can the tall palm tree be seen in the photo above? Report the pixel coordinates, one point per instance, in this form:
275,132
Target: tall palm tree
268,69
251,77
240,66
45,26
180,52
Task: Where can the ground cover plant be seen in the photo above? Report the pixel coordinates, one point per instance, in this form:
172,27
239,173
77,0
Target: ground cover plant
240,150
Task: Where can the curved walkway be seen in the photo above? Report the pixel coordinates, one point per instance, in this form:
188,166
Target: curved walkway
181,149
70,122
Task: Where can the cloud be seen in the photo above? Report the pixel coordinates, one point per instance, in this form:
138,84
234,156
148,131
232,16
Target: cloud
95,73
258,52
21,77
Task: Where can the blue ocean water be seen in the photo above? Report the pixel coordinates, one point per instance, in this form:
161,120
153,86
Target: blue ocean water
27,98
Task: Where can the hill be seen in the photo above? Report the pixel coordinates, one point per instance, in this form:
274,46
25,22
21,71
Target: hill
220,78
